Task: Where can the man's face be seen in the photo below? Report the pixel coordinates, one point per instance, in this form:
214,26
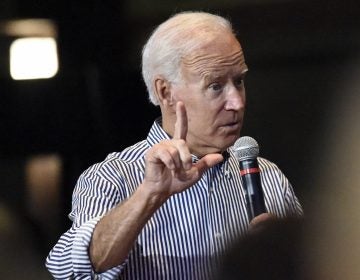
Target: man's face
213,93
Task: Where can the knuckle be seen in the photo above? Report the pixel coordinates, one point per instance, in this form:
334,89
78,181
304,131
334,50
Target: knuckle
181,142
173,151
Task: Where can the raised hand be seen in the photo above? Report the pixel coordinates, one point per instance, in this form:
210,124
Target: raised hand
168,165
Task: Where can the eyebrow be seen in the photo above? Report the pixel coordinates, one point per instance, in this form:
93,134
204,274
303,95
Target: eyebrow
213,76
245,71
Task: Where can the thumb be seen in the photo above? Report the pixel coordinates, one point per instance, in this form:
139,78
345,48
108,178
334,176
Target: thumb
208,161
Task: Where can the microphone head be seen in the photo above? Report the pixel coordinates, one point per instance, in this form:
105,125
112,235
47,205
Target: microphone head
246,147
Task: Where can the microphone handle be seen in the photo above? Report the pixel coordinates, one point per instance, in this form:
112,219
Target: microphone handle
250,175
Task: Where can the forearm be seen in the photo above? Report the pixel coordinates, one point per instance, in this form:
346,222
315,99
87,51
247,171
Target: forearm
116,232
69,259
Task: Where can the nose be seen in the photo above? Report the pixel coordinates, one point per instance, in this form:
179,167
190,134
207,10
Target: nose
235,99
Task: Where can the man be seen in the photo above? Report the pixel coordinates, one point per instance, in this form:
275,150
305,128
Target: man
168,206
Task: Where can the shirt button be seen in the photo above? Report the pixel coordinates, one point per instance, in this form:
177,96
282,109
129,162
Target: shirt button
218,235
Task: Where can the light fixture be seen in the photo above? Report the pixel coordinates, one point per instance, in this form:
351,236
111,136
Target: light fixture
33,58
33,52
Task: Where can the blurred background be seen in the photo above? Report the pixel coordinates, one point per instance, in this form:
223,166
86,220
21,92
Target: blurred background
302,57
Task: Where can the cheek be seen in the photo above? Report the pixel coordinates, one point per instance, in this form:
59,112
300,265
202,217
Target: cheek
207,112
202,114
201,122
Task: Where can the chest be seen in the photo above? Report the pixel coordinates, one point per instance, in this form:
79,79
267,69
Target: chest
203,220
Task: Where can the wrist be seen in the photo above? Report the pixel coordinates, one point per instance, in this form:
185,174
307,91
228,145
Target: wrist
153,198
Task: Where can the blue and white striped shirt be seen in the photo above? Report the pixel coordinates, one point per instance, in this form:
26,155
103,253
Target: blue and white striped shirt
185,238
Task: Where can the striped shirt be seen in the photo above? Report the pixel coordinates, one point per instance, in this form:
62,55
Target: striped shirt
186,237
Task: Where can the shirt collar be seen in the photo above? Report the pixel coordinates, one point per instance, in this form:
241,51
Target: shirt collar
156,133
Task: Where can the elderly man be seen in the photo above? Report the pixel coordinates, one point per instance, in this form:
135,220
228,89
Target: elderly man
168,206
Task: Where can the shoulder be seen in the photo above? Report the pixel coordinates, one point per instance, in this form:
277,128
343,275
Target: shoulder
267,165
129,154
117,164
271,172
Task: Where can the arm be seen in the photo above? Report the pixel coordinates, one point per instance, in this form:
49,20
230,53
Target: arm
69,257
116,232
280,195
282,201
101,238
168,170
293,205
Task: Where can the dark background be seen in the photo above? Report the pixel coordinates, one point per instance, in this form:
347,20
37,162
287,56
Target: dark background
299,53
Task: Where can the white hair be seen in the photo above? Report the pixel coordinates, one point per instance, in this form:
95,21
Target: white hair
174,39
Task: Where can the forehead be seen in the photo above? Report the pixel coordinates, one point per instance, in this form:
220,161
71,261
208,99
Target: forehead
215,58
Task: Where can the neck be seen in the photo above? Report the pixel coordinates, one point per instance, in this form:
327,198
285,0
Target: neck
195,148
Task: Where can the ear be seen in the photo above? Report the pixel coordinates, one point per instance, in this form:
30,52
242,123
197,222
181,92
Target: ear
162,89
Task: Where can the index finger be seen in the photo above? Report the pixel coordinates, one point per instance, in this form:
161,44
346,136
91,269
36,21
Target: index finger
181,124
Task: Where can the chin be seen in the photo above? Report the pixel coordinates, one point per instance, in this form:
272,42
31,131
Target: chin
228,142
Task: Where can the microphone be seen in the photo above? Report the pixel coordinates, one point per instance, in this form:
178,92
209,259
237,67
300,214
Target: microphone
246,150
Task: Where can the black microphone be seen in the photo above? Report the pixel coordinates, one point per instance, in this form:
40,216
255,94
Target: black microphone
246,150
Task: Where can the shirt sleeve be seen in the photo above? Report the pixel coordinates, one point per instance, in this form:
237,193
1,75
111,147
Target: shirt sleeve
279,193
69,259
292,204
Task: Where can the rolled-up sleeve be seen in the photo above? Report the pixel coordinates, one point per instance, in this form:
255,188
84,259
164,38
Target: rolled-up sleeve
93,197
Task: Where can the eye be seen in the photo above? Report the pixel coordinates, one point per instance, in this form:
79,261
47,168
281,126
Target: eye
216,87
239,82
